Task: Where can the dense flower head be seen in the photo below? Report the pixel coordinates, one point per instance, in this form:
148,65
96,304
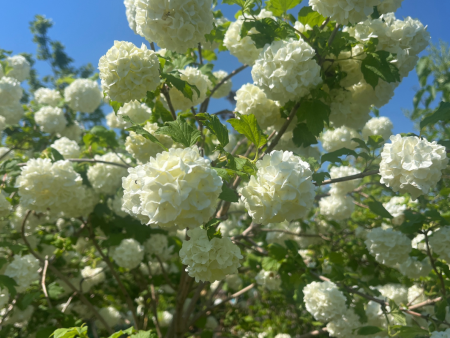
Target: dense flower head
388,246
250,99
414,268
268,279
243,48
72,132
343,326
441,334
92,277
396,292
396,207
106,178
136,111
194,77
209,260
10,91
324,300
129,254
83,203
50,119
389,6
345,187
111,316
175,25
47,96
339,138
440,242
176,188
128,72
113,121
344,111
24,271
336,207
115,204
67,148
130,11
2,73
225,88
363,93
412,165
158,245
345,11
2,123
378,126
12,113
281,190
83,95
141,148
20,67
286,70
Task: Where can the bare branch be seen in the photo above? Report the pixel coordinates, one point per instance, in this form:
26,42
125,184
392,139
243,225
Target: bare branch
349,178
282,129
44,288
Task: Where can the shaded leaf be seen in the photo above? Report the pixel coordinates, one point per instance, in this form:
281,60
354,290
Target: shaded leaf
378,65
442,113
228,194
333,156
378,208
213,123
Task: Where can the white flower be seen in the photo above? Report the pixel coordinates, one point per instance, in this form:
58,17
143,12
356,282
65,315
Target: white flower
363,93
441,334
47,97
136,111
396,292
345,11
389,247
116,206
165,318
336,207
440,241
225,88
209,260
286,70
92,277
396,207
141,148
229,227
83,95
339,138
130,11
389,6
158,244
10,91
176,25
416,295
176,188
67,148
72,132
45,185
345,187
5,207
250,99
128,72
281,190
282,335
84,201
105,178
20,67
129,254
194,77
4,297
269,280
114,121
324,301
349,62
234,282
111,316
378,126
13,113
243,48
343,326
24,271
413,165
50,119
345,112
286,143
280,237
211,323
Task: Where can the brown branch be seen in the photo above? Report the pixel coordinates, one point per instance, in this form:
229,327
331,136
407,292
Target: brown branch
360,205
7,152
282,129
154,309
225,79
166,94
223,112
44,288
322,26
333,35
348,178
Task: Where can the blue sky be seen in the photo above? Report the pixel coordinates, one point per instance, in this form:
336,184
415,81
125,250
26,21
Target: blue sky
88,29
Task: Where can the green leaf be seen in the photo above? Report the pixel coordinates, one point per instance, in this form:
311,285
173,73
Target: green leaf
440,308
228,194
102,136
55,155
240,3
45,332
268,30
211,228
116,106
361,143
318,178
213,123
307,16
413,222
270,264
378,66
241,165
180,131
442,113
399,317
183,86
315,113
226,174
333,157
410,331
9,283
248,126
277,251
377,208
375,141
280,7
368,330
161,112
71,332
302,136
144,334
26,299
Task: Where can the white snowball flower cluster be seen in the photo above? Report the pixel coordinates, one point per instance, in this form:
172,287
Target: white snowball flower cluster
234,282
176,188
113,121
225,88
441,334
413,268
128,72
4,297
24,271
324,300
336,207
158,245
194,77
389,6
378,126
339,138
345,11
345,187
349,63
412,165
243,48
111,316
129,254
92,277
343,326
230,227
280,237
10,91
176,25
47,96
12,113
286,70
83,95
165,318
286,143
281,190
269,280
388,246
67,148
106,178
20,67
209,260
141,148
136,111
50,119
440,241
250,99
345,111
72,132
5,207
130,11
115,204
396,207
396,292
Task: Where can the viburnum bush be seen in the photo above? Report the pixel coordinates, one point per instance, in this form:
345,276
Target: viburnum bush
302,216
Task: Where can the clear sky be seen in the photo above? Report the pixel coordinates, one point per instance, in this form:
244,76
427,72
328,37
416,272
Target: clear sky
88,29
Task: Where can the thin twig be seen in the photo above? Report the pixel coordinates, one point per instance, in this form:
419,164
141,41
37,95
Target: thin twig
225,79
433,264
90,160
322,26
6,153
166,94
282,129
44,288
289,232
349,178
66,304
194,299
154,309
200,53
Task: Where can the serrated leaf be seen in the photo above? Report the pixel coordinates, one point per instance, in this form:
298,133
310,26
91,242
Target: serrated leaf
399,317
213,123
45,332
55,155
318,178
307,16
9,283
228,194
211,228
248,126
241,165
375,141
270,264
377,65
315,113
144,334
442,113
115,106
268,30
368,330
377,208
280,7
183,86
361,143
180,131
240,3
302,136
333,156
159,111
102,136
